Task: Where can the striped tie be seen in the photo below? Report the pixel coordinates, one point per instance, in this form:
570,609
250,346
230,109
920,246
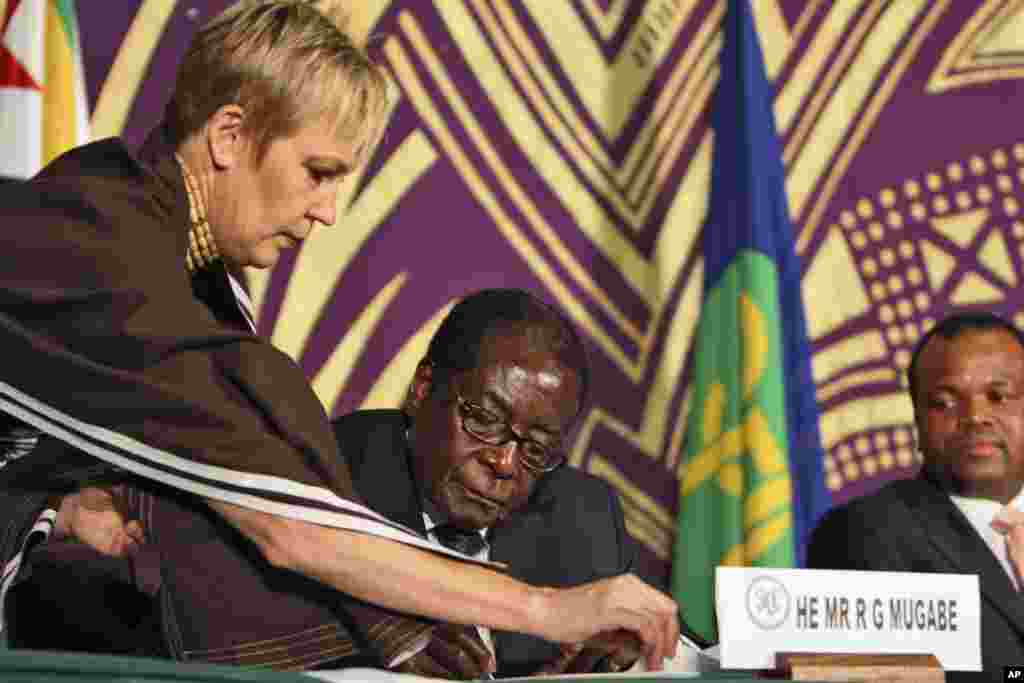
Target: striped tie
461,540
1010,522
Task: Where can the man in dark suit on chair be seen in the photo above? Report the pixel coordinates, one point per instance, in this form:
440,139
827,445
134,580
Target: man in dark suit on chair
966,381
477,457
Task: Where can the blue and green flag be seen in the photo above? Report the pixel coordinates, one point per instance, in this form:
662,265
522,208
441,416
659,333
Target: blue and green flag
752,484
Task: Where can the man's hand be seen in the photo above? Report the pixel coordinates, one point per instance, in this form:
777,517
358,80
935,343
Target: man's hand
454,652
604,653
621,602
98,517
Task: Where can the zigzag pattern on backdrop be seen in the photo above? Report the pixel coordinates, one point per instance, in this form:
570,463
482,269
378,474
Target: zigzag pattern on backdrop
564,147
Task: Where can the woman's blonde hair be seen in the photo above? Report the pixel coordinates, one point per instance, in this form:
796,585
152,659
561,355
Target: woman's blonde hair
287,63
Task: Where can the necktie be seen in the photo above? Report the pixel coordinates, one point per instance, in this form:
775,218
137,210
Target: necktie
468,543
1010,522
462,540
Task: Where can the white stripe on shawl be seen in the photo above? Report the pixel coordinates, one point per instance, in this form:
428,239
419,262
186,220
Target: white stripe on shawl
43,525
136,457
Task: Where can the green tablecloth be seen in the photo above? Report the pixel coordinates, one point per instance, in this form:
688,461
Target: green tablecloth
25,666
22,666
722,677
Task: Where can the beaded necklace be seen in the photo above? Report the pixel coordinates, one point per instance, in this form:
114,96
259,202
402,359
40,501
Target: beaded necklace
202,249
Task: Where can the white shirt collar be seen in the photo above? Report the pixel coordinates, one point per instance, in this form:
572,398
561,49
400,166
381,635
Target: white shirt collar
986,507
979,513
429,524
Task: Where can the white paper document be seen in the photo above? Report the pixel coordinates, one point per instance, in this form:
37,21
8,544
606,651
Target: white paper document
690,661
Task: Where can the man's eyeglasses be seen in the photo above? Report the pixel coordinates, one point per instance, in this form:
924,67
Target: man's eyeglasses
485,426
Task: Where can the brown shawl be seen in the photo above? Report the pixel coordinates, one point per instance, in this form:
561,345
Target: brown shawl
112,349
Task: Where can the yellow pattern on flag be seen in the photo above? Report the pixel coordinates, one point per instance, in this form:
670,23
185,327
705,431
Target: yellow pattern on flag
44,105
61,89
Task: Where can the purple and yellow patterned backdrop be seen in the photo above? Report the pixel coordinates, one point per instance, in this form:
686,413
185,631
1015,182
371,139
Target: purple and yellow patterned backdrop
563,146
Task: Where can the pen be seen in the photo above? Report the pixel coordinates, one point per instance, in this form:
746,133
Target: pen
689,643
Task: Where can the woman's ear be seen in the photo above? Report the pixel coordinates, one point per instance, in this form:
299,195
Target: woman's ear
419,388
226,137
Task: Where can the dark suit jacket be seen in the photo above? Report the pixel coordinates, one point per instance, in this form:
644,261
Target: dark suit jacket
913,526
571,531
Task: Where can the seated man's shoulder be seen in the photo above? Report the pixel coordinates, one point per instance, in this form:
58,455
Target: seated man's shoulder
370,418
571,498
882,502
361,425
372,442
880,531
873,514
572,530
570,485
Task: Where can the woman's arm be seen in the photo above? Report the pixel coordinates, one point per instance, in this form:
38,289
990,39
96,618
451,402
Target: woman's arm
407,579
404,578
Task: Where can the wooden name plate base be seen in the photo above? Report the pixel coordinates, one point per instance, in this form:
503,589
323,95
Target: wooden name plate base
874,668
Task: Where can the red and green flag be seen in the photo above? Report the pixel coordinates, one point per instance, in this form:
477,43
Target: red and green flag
43,103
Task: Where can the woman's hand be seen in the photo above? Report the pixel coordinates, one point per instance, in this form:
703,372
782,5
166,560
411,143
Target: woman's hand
98,517
617,603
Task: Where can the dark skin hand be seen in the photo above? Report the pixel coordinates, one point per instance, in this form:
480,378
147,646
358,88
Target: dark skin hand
454,652
98,517
608,652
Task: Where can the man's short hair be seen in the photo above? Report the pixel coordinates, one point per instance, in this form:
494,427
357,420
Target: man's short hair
287,63
952,327
455,347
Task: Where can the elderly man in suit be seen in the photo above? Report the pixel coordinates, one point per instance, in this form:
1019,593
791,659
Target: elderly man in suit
476,459
966,381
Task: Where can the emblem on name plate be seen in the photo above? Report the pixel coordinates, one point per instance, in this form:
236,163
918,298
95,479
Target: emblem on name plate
768,602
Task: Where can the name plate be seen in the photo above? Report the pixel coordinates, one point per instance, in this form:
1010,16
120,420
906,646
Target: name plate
763,612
